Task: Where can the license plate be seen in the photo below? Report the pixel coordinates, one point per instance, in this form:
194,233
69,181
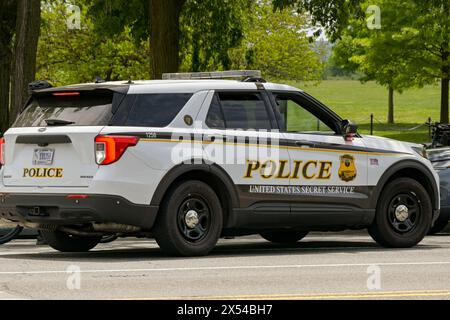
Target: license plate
43,157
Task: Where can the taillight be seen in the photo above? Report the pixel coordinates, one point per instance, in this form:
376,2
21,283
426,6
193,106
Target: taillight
2,151
65,94
109,149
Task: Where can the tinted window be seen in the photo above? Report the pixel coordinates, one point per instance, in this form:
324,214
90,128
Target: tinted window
215,118
244,111
156,110
84,109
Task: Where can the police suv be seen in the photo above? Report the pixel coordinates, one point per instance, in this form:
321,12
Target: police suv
194,157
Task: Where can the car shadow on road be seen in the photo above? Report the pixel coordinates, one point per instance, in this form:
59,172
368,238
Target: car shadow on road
131,253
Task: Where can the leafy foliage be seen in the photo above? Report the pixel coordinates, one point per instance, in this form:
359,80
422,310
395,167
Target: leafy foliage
409,49
277,43
333,15
209,29
73,56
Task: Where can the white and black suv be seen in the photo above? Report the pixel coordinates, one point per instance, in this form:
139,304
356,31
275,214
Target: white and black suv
187,160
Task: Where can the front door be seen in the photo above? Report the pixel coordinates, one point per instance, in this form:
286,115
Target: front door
328,174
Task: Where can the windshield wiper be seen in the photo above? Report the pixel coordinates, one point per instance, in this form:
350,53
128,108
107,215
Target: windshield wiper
58,122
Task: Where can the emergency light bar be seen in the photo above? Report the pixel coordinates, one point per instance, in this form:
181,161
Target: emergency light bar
213,75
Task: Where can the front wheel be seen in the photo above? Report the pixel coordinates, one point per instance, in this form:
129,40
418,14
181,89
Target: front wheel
65,242
287,236
190,221
403,216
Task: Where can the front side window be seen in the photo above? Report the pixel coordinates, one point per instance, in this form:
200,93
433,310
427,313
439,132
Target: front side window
238,110
295,117
156,110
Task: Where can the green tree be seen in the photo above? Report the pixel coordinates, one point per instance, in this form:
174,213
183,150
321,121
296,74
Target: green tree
79,55
19,32
410,49
277,44
205,41
333,15
208,34
25,48
8,11
425,35
377,55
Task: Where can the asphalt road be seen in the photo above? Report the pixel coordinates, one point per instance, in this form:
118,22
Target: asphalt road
322,266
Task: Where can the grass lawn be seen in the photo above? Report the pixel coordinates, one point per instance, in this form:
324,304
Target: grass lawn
356,101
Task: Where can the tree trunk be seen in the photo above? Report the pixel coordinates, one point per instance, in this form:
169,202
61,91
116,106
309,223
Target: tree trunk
390,118
7,21
444,94
5,82
445,82
24,67
445,69
164,36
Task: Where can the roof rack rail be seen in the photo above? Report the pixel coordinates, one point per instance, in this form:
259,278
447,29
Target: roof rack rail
243,74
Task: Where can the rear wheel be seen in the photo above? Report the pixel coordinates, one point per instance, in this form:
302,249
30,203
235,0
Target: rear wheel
64,242
190,221
288,236
7,234
109,238
403,216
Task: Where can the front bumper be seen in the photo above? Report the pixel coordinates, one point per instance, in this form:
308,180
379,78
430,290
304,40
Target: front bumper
59,209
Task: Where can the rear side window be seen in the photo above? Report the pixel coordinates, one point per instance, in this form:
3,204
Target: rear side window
215,118
238,110
156,110
83,109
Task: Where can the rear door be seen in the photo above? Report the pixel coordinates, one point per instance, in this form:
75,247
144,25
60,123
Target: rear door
247,142
52,141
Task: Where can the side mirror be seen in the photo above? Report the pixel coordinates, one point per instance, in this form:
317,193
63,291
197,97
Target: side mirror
349,129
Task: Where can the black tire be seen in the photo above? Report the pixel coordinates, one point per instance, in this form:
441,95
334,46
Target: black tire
438,226
64,242
190,220
10,234
388,229
288,236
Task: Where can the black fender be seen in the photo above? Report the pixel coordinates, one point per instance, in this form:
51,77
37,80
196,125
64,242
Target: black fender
402,165
198,166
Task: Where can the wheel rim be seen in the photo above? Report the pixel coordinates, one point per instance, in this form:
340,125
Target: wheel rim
194,218
404,212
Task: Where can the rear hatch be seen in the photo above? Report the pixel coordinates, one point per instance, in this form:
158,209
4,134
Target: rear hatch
51,144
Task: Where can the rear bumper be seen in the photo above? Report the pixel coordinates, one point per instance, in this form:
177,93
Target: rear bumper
58,209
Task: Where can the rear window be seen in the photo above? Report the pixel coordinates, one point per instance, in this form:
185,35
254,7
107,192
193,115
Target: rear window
85,109
156,110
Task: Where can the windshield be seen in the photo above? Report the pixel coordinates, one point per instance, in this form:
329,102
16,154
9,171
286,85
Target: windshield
84,109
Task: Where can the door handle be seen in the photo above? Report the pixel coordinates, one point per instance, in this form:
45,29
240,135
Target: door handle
305,143
213,137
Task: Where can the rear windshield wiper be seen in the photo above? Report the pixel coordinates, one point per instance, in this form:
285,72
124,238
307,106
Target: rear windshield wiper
58,122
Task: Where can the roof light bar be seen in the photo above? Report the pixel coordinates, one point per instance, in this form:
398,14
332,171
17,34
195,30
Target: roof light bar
212,75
